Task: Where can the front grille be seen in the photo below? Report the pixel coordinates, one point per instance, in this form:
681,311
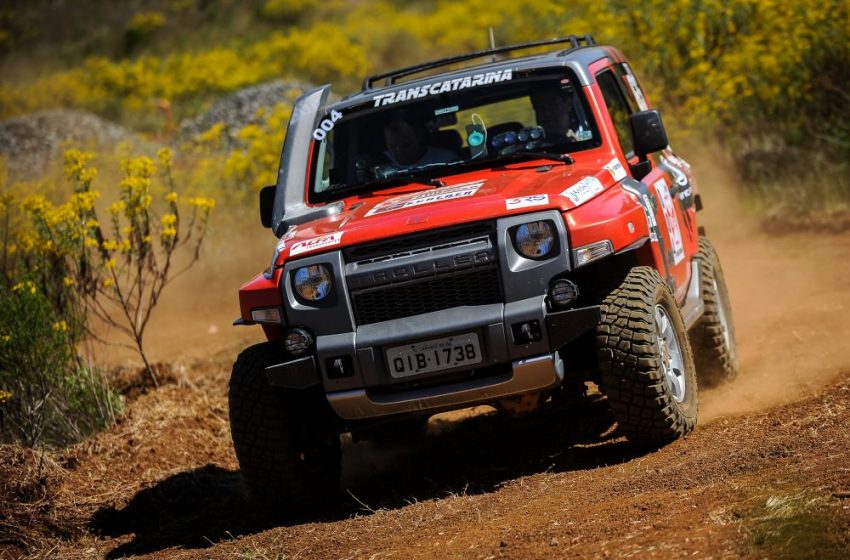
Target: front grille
478,286
433,239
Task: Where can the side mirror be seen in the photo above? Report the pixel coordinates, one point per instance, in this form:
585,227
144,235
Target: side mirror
267,205
648,134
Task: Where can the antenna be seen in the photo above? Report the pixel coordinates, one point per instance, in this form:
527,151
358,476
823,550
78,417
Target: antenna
492,44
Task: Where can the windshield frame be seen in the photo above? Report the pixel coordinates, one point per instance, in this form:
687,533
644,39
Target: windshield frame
373,106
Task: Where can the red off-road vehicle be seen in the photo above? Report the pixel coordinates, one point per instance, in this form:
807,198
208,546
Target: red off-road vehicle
503,234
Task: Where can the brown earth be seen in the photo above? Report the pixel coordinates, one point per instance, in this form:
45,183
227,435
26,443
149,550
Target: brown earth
765,475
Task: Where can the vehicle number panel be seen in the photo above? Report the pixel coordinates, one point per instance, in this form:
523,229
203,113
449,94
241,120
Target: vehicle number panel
434,355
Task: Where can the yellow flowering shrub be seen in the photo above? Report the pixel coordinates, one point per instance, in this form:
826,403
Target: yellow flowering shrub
743,63
83,262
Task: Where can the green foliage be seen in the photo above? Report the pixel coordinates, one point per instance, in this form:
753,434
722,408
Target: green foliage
47,396
287,11
141,27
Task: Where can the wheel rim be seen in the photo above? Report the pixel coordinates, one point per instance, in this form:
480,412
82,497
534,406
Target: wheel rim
723,315
672,362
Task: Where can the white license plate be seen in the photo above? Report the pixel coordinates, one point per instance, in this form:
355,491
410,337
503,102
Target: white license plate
434,355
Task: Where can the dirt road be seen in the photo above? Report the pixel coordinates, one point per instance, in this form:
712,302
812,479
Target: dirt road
765,475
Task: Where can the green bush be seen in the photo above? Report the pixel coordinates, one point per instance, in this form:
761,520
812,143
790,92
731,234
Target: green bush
47,394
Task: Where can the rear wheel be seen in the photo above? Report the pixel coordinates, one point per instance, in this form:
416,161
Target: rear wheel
647,370
287,462
713,337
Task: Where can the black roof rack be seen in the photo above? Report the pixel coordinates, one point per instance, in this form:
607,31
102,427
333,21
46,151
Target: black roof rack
575,42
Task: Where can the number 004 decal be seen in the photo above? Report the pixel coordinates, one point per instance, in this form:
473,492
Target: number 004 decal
326,126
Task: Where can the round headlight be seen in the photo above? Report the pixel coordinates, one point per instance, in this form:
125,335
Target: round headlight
313,283
535,240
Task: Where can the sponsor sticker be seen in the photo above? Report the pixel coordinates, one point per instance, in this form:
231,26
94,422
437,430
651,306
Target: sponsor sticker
316,243
616,169
671,219
290,233
437,88
584,190
462,190
446,110
526,201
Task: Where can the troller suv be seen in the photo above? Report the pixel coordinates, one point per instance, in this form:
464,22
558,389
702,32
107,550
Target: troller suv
505,233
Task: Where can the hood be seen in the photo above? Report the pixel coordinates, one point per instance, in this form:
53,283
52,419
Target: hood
480,195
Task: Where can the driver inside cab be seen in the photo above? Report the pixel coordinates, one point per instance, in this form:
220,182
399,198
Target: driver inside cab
407,144
554,113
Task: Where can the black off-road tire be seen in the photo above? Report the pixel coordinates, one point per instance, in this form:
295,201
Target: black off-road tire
630,361
287,465
713,336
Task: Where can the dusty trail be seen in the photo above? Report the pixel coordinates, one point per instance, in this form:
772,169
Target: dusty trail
766,474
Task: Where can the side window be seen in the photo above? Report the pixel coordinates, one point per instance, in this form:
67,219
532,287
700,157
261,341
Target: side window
618,108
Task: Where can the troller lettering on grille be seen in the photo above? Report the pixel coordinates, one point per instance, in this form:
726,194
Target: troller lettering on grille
368,279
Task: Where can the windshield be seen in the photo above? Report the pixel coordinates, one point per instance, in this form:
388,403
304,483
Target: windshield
439,131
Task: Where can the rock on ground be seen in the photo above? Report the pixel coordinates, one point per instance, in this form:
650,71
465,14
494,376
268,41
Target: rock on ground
240,108
30,142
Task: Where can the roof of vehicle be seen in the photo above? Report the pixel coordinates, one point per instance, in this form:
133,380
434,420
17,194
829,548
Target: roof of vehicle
582,51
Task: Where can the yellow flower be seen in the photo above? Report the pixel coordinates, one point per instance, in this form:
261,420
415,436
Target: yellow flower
84,200
169,232
87,175
5,338
146,239
92,223
116,207
168,220
171,197
29,285
5,395
68,281
110,245
60,326
35,204
76,166
138,167
164,157
202,203
110,264
212,134
108,282
90,242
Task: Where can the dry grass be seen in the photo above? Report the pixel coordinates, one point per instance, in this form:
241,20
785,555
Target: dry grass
30,489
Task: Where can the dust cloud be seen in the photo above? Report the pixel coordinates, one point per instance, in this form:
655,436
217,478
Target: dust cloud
790,299
195,315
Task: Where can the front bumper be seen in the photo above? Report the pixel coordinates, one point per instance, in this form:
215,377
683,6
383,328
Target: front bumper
510,367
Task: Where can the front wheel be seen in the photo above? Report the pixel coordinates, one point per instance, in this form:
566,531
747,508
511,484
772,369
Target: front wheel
287,464
647,369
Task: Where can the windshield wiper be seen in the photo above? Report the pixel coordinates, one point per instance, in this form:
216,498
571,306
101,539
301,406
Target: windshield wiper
563,158
373,185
